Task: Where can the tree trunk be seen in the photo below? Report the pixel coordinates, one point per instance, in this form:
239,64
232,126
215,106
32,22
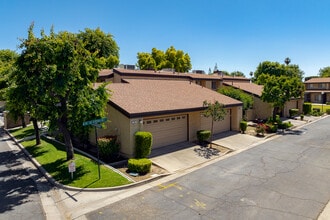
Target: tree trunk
62,124
23,121
36,130
275,111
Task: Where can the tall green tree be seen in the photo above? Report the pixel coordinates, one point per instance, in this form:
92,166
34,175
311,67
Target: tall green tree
157,60
278,90
7,60
324,72
102,45
237,73
216,111
277,69
57,72
146,61
287,61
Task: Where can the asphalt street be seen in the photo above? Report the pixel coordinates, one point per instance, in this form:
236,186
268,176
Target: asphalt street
18,191
286,177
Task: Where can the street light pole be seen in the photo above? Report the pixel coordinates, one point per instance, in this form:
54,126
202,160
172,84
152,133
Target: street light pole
322,99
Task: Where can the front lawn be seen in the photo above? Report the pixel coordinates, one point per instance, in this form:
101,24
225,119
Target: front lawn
52,156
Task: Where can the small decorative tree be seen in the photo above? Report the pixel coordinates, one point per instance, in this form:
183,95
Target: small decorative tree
216,111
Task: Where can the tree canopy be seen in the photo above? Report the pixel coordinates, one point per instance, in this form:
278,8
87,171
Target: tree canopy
280,89
324,72
238,95
216,111
277,69
281,82
158,59
7,60
54,77
237,73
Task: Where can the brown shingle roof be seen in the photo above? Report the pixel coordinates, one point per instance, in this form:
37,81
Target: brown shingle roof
247,87
318,80
141,97
192,76
105,72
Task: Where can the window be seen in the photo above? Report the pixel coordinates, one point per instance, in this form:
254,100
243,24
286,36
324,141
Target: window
318,98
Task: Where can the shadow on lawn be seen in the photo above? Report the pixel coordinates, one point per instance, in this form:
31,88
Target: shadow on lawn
25,133
60,172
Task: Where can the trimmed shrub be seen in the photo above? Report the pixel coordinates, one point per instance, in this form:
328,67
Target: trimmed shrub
243,126
316,112
108,147
277,120
143,142
328,111
293,112
141,166
307,108
203,135
285,125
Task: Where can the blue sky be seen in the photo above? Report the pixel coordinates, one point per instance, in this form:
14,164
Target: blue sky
235,34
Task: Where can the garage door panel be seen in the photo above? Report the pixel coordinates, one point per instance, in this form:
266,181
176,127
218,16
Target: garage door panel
218,126
167,130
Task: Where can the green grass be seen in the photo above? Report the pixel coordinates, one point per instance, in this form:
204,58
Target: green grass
52,156
20,133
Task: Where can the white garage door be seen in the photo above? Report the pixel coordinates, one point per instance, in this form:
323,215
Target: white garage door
218,126
167,130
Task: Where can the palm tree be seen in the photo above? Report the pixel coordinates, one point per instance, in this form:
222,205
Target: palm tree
287,61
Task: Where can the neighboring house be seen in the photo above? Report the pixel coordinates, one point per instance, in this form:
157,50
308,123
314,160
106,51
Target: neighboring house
317,90
170,109
262,110
213,81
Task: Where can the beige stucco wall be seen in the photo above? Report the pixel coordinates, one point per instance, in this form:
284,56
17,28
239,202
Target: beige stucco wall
249,115
125,128
296,103
10,122
236,117
121,126
194,124
262,110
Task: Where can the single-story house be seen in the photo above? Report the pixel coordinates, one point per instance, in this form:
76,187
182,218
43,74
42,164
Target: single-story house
317,90
261,109
170,109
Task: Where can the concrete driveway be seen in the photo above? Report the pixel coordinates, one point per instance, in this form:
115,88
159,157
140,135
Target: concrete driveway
186,155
